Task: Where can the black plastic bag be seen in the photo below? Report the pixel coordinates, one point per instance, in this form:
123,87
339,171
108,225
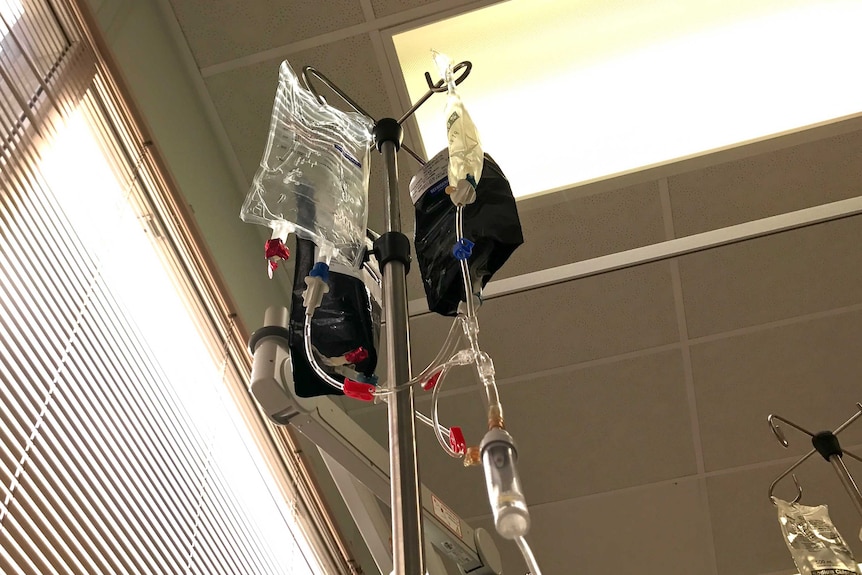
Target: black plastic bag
491,223
341,324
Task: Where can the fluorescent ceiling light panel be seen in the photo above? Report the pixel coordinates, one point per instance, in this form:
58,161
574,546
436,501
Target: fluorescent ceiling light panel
564,92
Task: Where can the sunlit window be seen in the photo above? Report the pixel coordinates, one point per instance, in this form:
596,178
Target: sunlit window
10,13
104,218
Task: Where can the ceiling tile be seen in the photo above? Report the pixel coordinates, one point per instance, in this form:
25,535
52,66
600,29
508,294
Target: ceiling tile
653,530
745,526
566,323
768,184
220,31
601,429
244,96
808,372
781,276
580,228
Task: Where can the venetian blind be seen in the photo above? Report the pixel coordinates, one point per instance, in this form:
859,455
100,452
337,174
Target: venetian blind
122,446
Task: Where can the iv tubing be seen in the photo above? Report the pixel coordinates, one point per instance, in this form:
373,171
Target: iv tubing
484,366
444,443
312,360
529,558
465,269
430,423
439,430
446,357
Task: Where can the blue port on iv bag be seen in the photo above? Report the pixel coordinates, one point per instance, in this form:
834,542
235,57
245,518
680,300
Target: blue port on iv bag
313,176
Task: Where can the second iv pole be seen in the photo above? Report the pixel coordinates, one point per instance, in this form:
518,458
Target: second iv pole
827,445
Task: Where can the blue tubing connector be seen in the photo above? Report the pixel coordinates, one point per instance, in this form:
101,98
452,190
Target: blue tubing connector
462,249
320,270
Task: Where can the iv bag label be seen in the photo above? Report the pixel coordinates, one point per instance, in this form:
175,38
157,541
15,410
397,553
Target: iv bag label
452,119
432,178
447,516
347,155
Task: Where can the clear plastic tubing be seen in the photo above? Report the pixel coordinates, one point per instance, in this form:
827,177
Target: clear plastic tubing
529,558
430,423
465,269
436,418
438,365
484,366
312,360
447,351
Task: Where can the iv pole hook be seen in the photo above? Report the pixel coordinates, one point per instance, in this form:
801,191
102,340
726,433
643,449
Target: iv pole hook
438,87
308,72
850,486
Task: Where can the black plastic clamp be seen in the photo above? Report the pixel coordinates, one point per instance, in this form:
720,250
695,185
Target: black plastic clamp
387,130
267,331
827,444
392,246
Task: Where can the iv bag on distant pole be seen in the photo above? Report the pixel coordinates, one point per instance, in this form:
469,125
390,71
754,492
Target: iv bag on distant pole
814,542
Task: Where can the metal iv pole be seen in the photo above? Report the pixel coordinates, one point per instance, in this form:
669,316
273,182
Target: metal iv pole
392,250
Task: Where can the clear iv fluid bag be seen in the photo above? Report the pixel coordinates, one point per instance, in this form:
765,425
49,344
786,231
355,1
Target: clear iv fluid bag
313,176
814,542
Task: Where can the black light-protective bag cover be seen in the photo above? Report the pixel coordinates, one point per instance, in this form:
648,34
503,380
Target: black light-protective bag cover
491,223
342,323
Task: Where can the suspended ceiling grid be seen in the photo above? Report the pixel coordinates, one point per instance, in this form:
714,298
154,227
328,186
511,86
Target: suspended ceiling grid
638,398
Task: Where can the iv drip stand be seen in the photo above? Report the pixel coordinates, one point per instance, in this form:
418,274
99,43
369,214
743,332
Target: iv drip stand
408,556
827,445
392,250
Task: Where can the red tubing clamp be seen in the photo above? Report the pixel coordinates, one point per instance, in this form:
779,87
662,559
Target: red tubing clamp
457,441
275,251
358,355
432,381
357,390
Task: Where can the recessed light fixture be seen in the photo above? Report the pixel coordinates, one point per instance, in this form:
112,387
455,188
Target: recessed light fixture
566,92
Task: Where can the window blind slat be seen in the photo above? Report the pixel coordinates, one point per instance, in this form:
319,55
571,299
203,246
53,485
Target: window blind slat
151,397
8,566
223,504
44,520
108,464
129,531
95,526
32,542
16,334
155,438
17,556
23,279
43,238
139,476
237,531
10,455
42,506
45,485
